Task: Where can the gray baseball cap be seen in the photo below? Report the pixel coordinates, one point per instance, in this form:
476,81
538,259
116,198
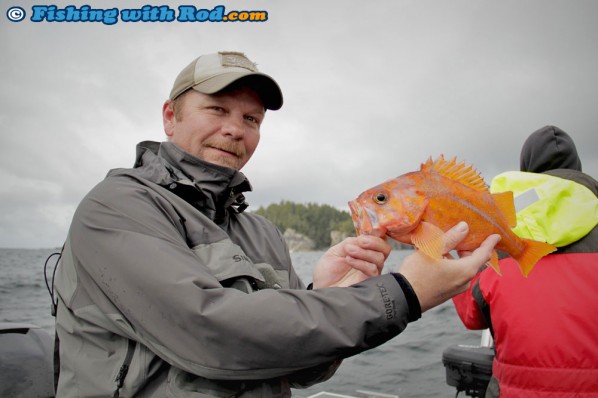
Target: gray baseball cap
211,73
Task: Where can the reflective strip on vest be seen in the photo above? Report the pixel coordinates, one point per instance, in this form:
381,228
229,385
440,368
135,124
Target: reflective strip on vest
549,209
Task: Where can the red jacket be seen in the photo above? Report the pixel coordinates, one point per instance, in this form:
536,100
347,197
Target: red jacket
545,326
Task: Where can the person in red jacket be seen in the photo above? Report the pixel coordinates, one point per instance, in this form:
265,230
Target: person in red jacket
545,326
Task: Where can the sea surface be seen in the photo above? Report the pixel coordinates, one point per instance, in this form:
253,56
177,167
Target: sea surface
410,365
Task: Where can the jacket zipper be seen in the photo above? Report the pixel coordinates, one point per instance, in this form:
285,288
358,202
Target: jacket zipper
124,369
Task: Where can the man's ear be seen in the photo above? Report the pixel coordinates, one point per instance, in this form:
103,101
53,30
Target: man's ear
168,118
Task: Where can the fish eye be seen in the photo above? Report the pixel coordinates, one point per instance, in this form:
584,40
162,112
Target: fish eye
380,198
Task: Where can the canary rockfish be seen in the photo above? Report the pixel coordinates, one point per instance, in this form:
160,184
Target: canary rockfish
418,207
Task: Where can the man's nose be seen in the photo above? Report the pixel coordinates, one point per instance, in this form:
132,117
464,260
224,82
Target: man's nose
233,127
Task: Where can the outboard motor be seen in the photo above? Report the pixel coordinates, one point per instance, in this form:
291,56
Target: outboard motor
26,356
469,368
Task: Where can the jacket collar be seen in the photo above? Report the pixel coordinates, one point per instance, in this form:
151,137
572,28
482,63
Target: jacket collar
166,164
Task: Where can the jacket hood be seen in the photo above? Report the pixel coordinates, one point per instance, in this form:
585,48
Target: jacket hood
549,148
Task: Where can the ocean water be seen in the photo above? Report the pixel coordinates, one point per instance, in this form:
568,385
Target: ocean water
410,365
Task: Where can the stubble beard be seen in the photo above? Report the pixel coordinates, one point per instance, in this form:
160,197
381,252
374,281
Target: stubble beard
235,149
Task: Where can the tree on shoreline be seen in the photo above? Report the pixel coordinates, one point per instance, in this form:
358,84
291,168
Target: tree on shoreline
315,221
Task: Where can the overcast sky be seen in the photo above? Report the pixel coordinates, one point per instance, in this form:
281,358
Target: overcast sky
372,89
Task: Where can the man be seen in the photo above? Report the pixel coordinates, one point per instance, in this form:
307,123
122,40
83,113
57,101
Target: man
166,287
544,326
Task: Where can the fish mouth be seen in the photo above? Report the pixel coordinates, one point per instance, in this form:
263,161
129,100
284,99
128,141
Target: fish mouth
356,216
365,220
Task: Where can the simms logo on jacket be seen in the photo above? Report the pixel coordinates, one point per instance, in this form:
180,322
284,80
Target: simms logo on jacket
241,257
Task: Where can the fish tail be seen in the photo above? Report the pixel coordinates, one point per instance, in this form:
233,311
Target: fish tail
533,252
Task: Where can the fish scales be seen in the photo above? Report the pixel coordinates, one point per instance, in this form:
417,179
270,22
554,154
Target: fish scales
443,196
418,207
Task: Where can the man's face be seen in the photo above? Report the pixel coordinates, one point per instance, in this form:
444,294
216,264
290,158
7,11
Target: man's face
222,128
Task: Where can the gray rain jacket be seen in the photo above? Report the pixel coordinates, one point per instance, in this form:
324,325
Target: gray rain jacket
166,288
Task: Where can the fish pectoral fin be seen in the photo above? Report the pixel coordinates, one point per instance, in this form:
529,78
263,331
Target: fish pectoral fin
506,204
429,239
494,263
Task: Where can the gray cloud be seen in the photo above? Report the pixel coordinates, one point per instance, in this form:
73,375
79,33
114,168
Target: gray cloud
371,90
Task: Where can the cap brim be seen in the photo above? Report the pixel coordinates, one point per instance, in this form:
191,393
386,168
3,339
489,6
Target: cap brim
262,84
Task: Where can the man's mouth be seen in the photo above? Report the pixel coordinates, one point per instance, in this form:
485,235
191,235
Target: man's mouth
228,151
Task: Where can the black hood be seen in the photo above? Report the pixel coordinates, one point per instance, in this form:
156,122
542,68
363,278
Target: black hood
549,148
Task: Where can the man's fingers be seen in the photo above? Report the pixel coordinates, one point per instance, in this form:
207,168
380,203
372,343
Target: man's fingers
455,235
368,268
487,248
368,251
482,254
374,243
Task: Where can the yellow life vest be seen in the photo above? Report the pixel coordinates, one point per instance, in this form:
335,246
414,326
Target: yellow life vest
549,209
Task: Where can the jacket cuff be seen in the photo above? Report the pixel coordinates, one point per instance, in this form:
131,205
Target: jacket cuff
415,310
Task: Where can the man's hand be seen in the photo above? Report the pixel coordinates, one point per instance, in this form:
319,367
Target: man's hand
351,261
435,281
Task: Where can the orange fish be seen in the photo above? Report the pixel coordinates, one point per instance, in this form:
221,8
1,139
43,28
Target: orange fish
418,207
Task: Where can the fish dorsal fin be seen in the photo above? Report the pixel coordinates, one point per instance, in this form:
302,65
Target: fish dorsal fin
457,171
